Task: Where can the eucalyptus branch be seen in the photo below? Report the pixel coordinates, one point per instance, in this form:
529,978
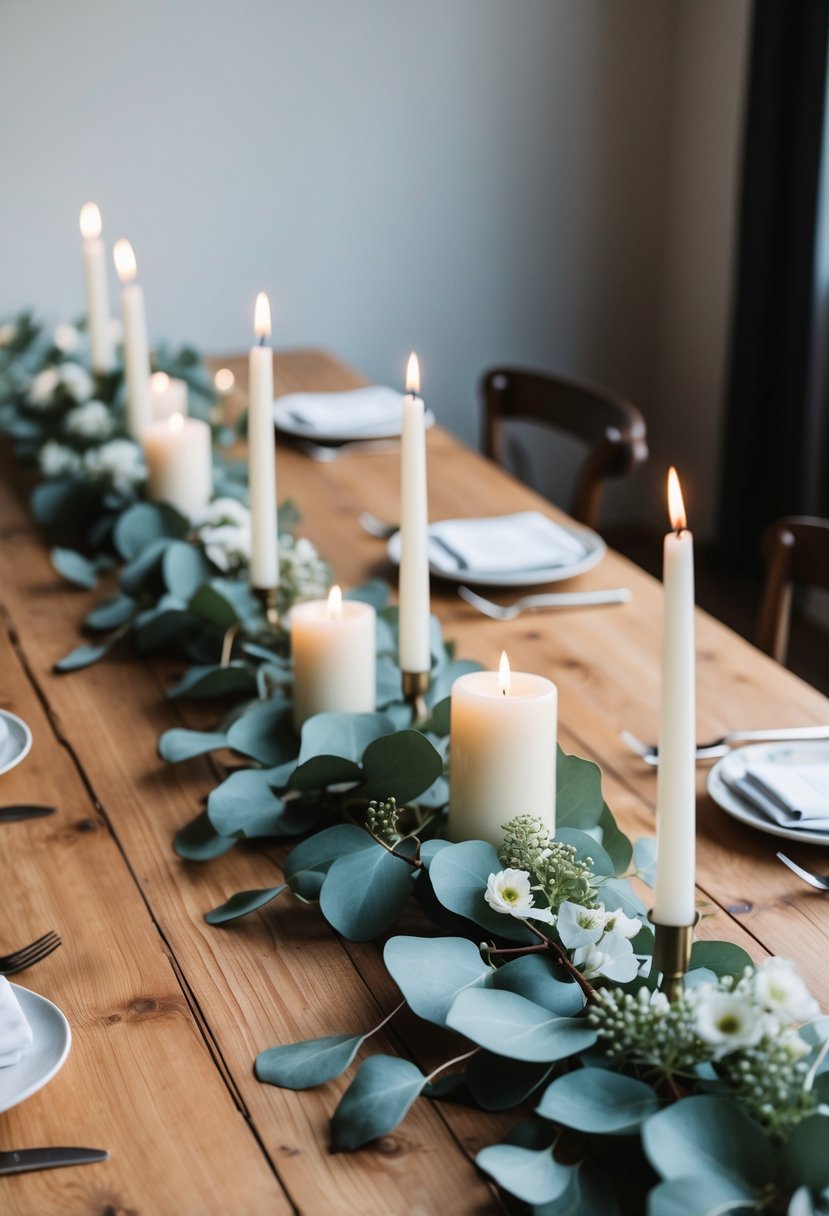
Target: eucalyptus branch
456,1060
569,966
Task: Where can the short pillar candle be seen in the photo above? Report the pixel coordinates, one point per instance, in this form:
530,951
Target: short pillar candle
333,644
179,457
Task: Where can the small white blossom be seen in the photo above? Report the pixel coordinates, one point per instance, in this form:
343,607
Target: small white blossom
509,892
120,462
8,333
728,1020
90,421
56,460
43,388
76,380
66,338
224,511
618,922
578,926
781,990
302,572
227,545
612,957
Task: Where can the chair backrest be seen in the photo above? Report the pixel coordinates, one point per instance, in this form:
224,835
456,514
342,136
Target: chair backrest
613,429
796,550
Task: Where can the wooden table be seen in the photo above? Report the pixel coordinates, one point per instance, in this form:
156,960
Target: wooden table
168,1013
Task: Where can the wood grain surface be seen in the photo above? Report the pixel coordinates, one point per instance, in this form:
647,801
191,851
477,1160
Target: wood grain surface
168,1013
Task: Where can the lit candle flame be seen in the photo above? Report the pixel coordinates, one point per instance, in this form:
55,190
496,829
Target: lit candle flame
413,375
90,221
335,603
504,675
176,422
159,382
676,506
262,317
224,380
124,261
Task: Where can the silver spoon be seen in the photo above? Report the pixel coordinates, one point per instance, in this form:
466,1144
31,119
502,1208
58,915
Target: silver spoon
722,746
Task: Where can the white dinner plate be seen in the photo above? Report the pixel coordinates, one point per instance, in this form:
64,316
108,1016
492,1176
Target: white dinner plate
593,544
15,740
52,1039
798,753
301,430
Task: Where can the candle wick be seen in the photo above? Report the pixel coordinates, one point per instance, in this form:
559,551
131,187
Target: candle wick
261,339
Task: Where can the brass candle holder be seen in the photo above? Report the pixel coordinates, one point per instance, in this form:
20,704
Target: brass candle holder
267,598
672,954
415,686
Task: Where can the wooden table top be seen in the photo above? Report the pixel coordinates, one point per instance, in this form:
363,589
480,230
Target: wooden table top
168,1013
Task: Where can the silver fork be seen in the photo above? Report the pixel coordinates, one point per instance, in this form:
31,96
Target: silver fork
376,527
814,880
722,746
27,956
325,454
553,599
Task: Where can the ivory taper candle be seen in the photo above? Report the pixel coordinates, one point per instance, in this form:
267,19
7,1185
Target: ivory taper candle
264,560
414,638
136,346
97,294
179,457
333,648
676,786
502,759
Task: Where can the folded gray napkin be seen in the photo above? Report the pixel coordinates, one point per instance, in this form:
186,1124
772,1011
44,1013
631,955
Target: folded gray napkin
361,409
502,544
15,1031
790,795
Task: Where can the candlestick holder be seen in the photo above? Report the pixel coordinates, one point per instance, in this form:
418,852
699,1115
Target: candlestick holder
672,953
415,687
267,598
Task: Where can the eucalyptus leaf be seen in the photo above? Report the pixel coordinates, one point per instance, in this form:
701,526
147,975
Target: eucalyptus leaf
377,1100
374,591
159,625
618,893
199,841
244,805
177,744
597,1100
137,527
723,958
498,1083
210,605
215,681
579,799
615,843
138,573
805,1155
184,569
532,976
588,1194
445,676
401,766
341,734
242,903
74,567
320,772
364,892
82,656
510,1025
431,971
320,851
266,733
707,1135
586,847
459,876
532,1175
312,1062
700,1194
111,613
644,858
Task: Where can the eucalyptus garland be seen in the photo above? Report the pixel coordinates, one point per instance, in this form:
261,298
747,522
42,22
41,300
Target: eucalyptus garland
537,958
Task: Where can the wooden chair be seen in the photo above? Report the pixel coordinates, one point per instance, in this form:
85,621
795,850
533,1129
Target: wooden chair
796,550
613,429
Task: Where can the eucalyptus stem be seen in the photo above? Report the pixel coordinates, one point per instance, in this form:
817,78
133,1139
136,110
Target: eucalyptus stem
456,1060
569,966
387,1018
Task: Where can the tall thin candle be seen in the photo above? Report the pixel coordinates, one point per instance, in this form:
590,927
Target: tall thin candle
676,791
264,561
136,346
414,644
97,295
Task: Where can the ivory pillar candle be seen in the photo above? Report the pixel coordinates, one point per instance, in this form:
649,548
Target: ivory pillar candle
136,346
97,295
502,759
333,646
414,637
676,787
264,561
179,457
168,395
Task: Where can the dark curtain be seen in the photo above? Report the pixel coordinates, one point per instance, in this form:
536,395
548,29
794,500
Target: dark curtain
769,423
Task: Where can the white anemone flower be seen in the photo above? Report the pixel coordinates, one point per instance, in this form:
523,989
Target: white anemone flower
66,338
120,462
509,892
224,511
57,460
92,420
728,1021
43,388
578,926
227,545
780,989
618,922
612,957
76,380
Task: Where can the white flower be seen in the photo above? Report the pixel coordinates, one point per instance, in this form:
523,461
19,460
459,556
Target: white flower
728,1021
91,421
578,926
76,380
509,892
121,462
795,1047
224,511
56,460
8,333
227,545
618,922
780,989
303,573
43,387
612,957
66,338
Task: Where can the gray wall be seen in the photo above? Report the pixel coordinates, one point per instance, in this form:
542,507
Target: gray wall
537,181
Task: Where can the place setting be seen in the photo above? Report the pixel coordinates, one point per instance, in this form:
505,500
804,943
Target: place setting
328,426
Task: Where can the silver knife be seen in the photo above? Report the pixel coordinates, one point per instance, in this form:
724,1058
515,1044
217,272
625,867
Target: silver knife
21,1160
9,814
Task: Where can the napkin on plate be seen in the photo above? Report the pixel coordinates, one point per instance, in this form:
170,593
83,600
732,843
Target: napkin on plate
360,409
502,544
15,1031
790,795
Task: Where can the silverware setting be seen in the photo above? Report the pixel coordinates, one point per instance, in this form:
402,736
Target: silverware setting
553,599
814,880
381,529
10,814
22,1160
325,454
27,956
649,752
